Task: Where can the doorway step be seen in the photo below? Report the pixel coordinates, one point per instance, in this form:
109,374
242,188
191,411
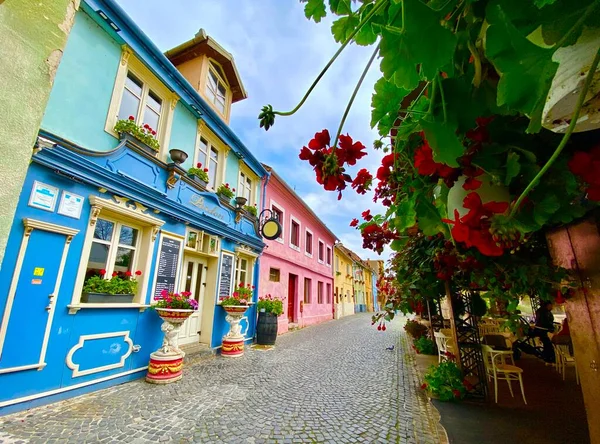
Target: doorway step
196,352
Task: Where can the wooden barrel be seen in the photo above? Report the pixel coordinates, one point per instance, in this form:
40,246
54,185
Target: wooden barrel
266,329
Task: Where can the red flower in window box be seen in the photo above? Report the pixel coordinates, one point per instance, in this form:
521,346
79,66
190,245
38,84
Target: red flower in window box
131,118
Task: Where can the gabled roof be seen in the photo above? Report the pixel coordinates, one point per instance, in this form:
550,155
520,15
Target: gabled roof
293,193
204,44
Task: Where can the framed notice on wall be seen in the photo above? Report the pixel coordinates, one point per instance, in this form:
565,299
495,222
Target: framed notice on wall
43,196
70,205
225,276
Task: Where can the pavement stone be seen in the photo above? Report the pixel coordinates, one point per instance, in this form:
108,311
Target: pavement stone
333,382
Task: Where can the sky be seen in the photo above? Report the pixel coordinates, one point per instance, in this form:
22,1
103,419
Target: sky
278,53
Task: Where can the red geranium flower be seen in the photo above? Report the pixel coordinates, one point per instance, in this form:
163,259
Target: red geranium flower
198,165
456,393
131,118
424,162
128,273
354,223
102,272
362,182
206,171
153,133
138,273
424,386
321,140
115,274
350,152
367,215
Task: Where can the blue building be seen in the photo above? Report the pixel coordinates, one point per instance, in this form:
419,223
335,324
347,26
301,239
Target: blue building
98,202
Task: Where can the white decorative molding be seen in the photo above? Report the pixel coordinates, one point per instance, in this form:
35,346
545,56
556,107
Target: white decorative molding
121,205
70,387
74,308
21,368
47,226
245,251
83,338
125,54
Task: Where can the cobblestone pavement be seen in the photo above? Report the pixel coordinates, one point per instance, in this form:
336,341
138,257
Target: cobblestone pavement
334,382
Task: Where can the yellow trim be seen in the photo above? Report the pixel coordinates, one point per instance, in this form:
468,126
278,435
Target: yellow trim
129,62
244,168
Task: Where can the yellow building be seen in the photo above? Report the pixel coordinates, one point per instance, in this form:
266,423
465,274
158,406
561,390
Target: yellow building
368,276
343,281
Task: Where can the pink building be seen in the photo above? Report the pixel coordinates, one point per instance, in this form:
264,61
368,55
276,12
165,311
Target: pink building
298,265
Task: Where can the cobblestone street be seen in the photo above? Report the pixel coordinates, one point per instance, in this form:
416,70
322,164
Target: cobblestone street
333,382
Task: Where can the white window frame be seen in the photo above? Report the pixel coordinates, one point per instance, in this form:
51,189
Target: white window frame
319,243
337,263
254,179
213,142
272,204
130,63
292,246
132,215
228,94
312,239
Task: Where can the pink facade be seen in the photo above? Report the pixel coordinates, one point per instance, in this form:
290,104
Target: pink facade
298,265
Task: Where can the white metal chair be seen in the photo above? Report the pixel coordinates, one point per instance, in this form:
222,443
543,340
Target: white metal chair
566,359
442,343
497,369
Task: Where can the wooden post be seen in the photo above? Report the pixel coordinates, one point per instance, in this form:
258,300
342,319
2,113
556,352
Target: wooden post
453,324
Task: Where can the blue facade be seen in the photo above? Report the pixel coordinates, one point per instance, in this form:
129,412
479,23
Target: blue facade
52,343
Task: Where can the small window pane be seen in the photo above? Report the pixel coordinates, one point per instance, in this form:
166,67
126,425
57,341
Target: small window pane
199,271
220,105
274,275
202,150
154,102
133,84
98,258
213,81
222,91
128,236
129,106
151,118
124,260
103,230
188,276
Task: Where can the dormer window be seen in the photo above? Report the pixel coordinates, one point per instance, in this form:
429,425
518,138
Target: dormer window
216,87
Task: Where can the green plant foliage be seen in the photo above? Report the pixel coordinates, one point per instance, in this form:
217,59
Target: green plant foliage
415,329
251,209
117,284
425,346
143,133
445,382
270,304
226,191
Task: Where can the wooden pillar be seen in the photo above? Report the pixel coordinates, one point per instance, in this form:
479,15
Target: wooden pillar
577,248
453,323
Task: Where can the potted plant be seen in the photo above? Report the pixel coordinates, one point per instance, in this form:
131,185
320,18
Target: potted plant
199,174
415,329
177,156
120,288
239,300
445,382
251,209
174,307
235,306
225,193
269,308
141,136
424,346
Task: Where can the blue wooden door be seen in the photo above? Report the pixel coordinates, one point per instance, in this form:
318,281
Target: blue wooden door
29,314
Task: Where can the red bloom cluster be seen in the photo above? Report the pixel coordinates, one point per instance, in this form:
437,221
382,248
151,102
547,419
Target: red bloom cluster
375,237
149,129
354,222
328,162
362,182
473,229
587,167
426,166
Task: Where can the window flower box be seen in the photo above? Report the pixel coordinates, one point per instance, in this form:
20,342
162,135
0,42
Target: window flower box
137,143
95,298
142,136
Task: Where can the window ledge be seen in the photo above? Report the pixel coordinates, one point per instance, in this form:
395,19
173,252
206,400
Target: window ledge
74,308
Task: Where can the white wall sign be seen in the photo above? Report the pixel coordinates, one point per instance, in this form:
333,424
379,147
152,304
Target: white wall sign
43,196
70,205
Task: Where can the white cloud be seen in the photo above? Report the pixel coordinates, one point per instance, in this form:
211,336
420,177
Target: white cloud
278,54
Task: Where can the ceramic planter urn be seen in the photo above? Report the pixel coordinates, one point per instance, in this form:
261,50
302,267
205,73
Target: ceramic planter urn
233,341
166,363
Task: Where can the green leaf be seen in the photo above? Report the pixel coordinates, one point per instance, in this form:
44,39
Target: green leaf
315,9
513,167
340,7
545,208
343,27
444,143
406,215
526,70
385,103
541,3
428,218
422,42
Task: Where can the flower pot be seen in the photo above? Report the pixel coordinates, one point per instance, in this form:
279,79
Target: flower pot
106,298
178,156
240,201
137,143
266,329
226,200
174,315
199,181
235,308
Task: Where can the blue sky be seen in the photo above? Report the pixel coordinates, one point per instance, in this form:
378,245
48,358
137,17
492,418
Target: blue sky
278,53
